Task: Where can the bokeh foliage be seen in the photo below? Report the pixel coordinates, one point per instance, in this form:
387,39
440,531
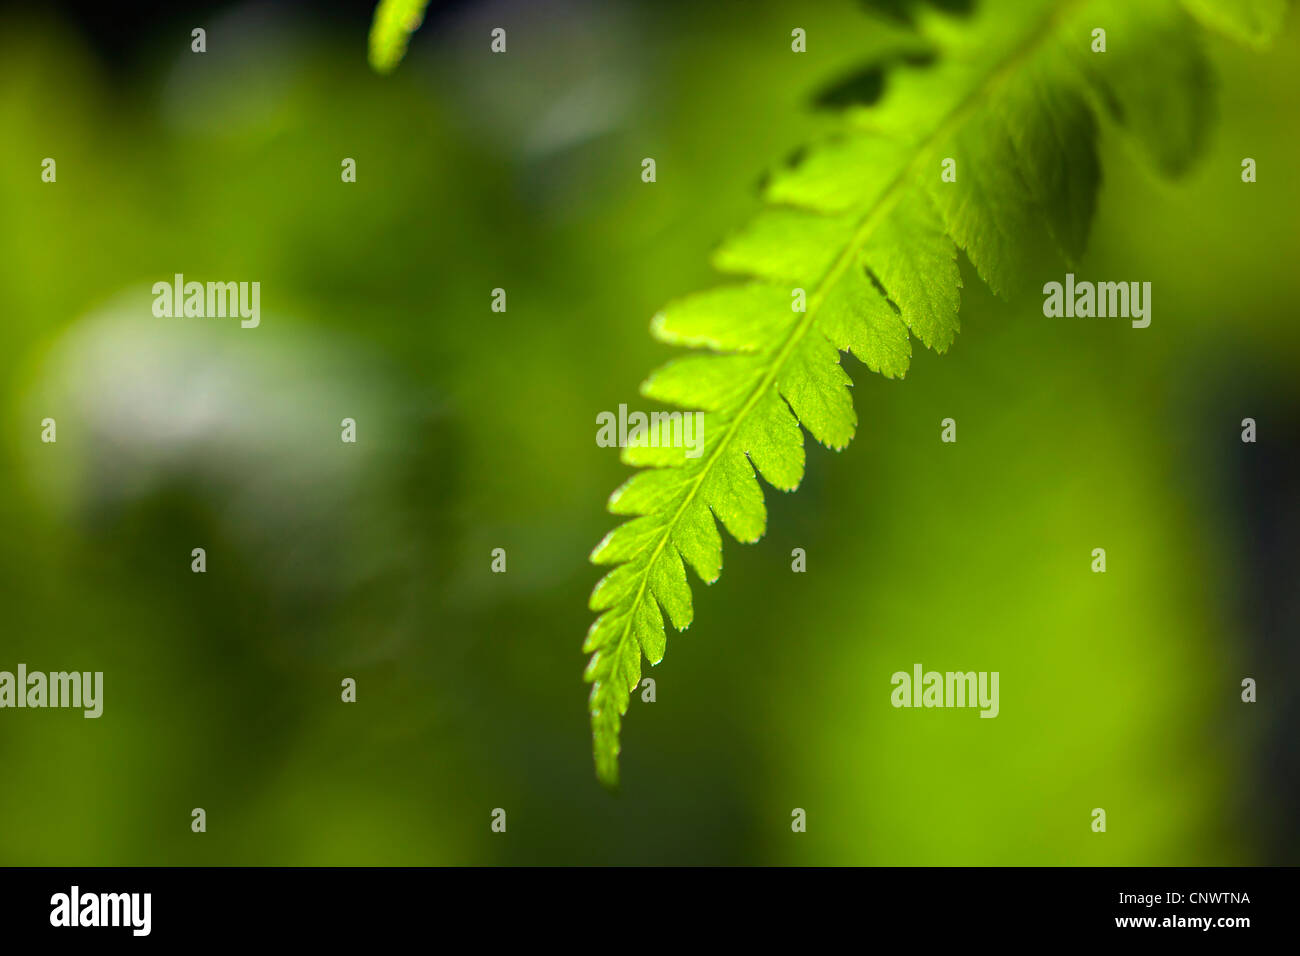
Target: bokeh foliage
325,561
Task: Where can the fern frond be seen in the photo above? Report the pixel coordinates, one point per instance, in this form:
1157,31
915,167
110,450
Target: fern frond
391,29
867,228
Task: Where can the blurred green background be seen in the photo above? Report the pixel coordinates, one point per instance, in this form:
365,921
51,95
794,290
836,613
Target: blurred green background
476,431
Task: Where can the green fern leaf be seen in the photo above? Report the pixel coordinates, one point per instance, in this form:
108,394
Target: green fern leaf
868,230
390,31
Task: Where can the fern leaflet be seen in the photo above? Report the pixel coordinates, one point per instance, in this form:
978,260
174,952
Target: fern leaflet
391,29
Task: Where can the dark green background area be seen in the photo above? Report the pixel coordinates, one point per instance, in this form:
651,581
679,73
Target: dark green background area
476,431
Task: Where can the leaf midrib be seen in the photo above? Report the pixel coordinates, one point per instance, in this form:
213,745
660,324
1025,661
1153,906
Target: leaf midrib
883,204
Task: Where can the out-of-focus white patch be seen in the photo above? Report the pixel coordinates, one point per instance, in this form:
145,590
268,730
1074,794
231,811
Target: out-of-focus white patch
582,113
565,79
248,421
243,82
